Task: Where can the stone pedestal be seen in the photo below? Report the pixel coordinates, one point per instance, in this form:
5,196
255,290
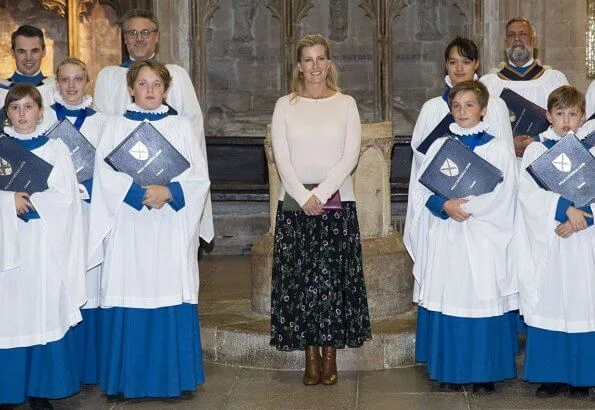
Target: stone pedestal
387,266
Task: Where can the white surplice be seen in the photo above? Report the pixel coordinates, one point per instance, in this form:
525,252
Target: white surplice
91,130
150,256
536,91
558,286
461,268
42,266
112,98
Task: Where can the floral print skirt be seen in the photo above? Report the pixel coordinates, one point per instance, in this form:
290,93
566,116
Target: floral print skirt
318,295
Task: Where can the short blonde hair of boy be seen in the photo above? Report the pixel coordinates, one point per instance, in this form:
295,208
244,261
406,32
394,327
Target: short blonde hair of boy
74,61
480,91
566,96
157,67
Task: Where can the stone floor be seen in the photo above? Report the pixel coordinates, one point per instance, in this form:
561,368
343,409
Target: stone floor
229,387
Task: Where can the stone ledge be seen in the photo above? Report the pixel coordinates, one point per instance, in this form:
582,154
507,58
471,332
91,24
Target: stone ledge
234,335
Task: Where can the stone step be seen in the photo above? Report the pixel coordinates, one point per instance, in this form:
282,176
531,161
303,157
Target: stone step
234,335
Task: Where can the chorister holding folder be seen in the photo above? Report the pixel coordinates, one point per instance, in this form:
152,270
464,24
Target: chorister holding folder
42,267
150,268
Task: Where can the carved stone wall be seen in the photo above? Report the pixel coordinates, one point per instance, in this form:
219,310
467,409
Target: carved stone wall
421,32
243,68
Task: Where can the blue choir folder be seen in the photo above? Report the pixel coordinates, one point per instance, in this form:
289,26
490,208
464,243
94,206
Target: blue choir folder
81,150
147,157
457,172
526,118
439,131
568,169
20,169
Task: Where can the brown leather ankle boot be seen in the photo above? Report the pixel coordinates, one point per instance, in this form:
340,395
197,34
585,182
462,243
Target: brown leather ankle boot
329,375
312,370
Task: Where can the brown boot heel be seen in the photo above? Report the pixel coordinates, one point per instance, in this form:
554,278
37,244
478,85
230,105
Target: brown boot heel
312,368
329,375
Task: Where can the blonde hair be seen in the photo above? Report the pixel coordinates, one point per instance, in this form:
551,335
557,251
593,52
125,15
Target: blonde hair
74,61
332,77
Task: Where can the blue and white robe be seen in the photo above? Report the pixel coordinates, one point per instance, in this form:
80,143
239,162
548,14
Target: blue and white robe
465,289
112,98
89,123
149,284
42,281
558,290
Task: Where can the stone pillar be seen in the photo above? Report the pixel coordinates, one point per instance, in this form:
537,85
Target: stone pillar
387,266
174,31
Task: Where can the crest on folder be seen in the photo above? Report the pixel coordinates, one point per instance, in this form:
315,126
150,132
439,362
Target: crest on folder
562,163
139,151
5,168
449,168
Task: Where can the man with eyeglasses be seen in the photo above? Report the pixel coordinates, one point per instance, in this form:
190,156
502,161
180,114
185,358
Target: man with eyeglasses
28,49
522,73
140,29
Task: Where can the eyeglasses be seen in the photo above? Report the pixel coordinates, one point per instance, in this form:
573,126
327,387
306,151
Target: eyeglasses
133,34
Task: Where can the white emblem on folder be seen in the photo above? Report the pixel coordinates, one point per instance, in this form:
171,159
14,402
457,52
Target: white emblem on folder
5,168
449,168
139,151
562,163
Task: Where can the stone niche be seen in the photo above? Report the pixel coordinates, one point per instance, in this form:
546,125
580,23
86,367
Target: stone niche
421,32
14,13
387,266
244,68
351,38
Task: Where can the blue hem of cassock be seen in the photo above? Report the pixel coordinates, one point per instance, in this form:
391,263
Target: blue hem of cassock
86,338
552,356
466,350
47,371
150,352
519,322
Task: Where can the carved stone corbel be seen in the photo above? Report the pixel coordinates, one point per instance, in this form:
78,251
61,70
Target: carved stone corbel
289,13
63,8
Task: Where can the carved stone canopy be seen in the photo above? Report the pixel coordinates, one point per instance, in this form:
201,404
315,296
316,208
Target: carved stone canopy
60,6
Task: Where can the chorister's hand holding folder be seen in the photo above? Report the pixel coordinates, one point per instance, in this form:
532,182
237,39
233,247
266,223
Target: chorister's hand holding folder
568,169
20,169
526,117
458,172
333,203
147,157
81,150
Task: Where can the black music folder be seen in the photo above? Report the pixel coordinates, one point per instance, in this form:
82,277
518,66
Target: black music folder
526,118
81,150
457,172
147,157
566,169
20,169
590,140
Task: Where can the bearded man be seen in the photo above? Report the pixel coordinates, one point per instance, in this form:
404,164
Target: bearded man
522,73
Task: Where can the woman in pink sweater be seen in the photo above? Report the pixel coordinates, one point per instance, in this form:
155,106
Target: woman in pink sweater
318,297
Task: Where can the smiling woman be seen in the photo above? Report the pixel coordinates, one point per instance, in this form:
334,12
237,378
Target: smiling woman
318,297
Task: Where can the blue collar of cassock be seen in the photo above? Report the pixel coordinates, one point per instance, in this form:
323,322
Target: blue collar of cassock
475,140
129,62
32,143
445,94
80,114
141,116
34,80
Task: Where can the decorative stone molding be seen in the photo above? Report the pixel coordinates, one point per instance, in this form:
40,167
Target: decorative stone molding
382,13
590,44
201,11
289,13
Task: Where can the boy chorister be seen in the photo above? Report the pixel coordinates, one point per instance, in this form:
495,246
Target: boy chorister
557,292
465,293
